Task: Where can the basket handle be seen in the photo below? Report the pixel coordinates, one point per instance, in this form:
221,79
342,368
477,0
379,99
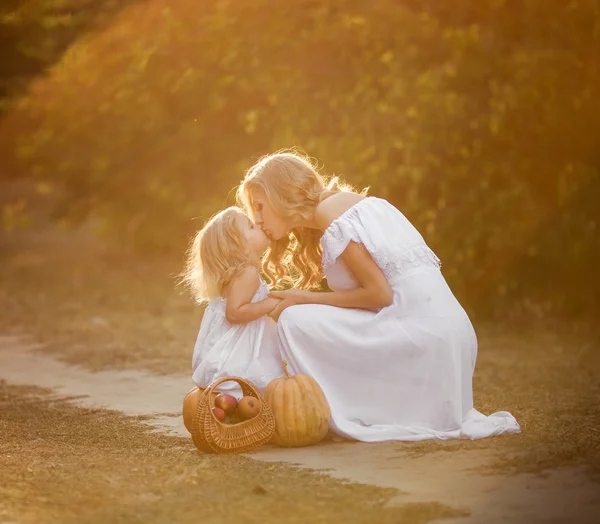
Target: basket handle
247,387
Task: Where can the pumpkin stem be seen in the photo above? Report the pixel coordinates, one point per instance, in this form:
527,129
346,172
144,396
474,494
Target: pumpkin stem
285,363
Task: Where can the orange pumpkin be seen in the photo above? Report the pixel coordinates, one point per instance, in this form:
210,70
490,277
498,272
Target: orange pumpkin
301,411
190,403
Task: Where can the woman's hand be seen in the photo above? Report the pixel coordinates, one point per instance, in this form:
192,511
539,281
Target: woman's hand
288,298
271,303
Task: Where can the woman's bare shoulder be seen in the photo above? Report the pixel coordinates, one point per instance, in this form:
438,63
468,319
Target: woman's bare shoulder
334,206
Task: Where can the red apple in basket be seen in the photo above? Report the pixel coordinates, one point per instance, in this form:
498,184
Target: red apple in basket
248,407
226,402
219,414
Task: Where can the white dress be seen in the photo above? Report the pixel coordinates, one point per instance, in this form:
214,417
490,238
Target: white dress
244,350
404,372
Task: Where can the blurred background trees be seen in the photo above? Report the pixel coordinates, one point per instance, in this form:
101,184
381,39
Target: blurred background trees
479,120
34,34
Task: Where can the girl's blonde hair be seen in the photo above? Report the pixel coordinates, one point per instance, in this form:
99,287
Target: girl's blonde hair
293,188
217,253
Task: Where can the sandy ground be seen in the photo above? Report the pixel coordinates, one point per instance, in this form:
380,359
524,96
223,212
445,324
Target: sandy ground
459,478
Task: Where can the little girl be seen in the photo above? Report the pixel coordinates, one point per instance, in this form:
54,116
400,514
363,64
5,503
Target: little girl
236,336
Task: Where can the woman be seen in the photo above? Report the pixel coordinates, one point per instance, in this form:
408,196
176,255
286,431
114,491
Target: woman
391,347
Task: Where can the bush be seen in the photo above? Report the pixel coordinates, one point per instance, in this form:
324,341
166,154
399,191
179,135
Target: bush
34,34
480,122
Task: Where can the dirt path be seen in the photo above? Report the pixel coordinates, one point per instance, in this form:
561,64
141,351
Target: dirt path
459,478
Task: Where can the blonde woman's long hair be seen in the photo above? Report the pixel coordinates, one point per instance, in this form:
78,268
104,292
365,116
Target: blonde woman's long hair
294,188
217,253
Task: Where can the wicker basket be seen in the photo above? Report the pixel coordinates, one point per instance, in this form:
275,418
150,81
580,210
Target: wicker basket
213,436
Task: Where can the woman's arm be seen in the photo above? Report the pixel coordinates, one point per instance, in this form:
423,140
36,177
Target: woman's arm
239,309
373,291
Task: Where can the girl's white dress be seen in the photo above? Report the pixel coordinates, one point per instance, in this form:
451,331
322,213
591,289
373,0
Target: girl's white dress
404,372
244,350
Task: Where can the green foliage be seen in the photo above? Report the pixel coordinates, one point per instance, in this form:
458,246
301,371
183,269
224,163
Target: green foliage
481,122
35,33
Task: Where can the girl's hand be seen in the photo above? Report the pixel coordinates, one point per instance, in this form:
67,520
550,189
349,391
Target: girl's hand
288,298
271,304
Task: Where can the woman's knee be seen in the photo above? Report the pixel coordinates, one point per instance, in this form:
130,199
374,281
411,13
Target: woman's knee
295,318
289,316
